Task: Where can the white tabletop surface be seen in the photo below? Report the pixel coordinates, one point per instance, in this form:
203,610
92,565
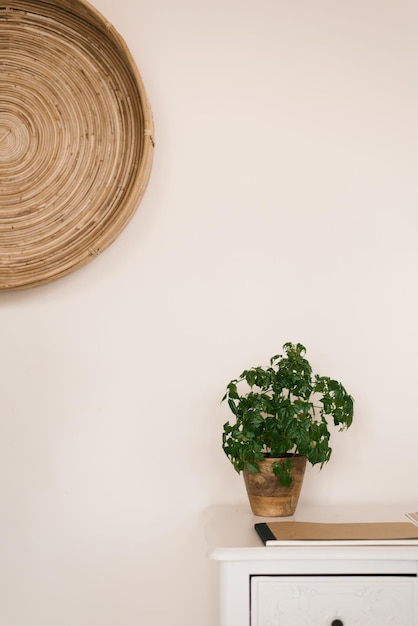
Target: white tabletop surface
229,529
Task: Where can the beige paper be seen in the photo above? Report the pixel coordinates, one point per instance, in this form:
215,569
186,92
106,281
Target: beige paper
311,531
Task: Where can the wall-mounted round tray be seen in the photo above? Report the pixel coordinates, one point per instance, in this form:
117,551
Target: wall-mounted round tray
76,142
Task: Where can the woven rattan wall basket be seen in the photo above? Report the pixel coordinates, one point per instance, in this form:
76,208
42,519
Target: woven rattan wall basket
76,142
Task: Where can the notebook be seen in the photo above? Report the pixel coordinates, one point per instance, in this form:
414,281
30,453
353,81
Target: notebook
358,533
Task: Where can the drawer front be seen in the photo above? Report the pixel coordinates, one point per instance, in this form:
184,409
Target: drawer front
333,601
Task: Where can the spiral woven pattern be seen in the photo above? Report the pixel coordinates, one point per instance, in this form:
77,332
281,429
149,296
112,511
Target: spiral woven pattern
76,142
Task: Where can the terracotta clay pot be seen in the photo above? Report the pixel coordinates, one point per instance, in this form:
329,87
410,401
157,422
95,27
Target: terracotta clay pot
268,498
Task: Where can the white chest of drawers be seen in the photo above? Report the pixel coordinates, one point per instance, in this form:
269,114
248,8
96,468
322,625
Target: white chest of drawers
311,586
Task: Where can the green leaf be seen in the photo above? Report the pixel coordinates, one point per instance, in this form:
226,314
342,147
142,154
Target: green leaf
283,471
232,391
251,377
232,406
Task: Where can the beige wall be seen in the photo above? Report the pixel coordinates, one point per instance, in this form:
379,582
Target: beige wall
282,206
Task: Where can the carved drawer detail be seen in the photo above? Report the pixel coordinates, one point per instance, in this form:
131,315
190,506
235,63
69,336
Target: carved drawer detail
327,600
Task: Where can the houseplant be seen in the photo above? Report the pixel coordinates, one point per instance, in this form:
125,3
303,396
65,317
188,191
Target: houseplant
282,414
